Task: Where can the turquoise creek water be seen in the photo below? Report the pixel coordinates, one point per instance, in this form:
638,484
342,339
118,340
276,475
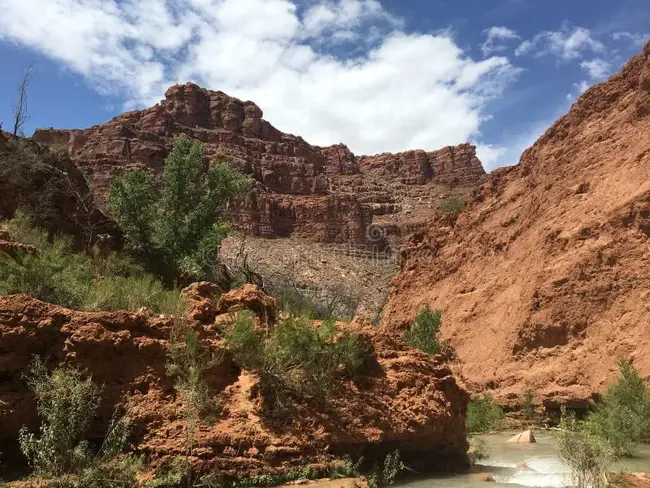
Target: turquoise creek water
518,465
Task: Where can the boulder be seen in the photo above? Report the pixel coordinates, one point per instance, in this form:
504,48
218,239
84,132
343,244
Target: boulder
525,437
201,297
249,297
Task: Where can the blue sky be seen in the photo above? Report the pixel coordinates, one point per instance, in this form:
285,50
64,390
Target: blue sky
380,76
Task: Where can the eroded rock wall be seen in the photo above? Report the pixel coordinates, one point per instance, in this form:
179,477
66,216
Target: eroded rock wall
544,280
408,400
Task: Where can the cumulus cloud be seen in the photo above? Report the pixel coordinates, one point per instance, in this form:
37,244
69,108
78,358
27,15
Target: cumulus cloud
342,19
402,91
597,68
496,38
568,43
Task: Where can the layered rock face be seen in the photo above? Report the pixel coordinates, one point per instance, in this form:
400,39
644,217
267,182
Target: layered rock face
409,400
324,194
453,166
544,280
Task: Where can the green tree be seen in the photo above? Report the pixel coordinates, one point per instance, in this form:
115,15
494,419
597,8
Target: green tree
622,418
175,224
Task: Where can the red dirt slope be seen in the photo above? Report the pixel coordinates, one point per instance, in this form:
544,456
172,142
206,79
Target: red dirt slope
545,279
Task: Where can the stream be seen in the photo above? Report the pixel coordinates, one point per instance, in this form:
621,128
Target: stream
542,467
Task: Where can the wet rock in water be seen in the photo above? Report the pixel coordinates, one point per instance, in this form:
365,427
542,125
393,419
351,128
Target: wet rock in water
525,437
487,477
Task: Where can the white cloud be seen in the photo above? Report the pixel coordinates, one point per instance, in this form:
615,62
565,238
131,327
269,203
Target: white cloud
495,37
407,91
634,38
597,68
490,155
340,18
567,44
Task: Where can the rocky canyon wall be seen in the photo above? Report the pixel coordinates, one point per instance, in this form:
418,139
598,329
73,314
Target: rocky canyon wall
544,281
323,193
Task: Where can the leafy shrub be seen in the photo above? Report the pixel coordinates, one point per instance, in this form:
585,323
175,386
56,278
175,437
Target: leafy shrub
294,303
453,205
119,471
179,474
58,275
245,343
174,225
384,473
296,356
483,414
66,402
528,407
586,454
189,362
423,334
477,449
324,303
622,418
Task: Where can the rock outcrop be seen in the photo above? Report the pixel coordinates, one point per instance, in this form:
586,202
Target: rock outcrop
409,401
453,166
544,281
50,189
326,194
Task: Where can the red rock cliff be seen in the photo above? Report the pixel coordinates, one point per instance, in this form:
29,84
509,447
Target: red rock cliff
317,192
545,279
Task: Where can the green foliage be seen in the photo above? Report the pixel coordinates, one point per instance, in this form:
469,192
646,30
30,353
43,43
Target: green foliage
338,303
189,362
174,225
483,414
339,468
384,473
588,455
294,303
66,402
528,407
477,449
179,474
453,205
423,334
244,342
296,356
622,418
55,273
119,471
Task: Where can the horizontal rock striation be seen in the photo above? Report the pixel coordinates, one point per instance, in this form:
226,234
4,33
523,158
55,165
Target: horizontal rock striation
318,192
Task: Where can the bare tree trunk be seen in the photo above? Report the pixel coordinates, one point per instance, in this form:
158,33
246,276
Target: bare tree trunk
20,109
